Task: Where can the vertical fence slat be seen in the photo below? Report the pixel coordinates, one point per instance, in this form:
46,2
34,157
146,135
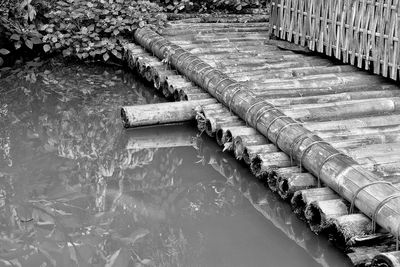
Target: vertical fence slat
364,33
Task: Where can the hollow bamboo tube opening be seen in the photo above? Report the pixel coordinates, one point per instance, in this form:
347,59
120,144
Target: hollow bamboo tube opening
319,214
388,259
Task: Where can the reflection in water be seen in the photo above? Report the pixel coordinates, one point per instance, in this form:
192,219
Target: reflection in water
78,190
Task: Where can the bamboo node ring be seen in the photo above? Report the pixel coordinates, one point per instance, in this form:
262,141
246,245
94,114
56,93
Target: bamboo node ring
380,206
273,121
307,149
183,54
208,82
233,95
195,66
263,111
251,107
326,161
284,127
298,139
353,200
218,84
191,62
153,44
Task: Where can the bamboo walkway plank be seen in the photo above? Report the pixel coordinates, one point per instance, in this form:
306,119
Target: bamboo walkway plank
356,112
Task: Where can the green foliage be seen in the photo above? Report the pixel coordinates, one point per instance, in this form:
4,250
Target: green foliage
17,24
82,28
96,28
209,5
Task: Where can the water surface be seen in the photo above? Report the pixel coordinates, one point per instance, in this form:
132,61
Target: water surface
76,189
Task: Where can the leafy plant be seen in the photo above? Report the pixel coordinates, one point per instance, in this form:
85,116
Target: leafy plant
210,5
83,28
96,28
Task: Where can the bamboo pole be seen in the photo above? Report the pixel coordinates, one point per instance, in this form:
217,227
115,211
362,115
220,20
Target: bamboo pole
293,182
344,230
319,214
250,152
303,198
272,179
223,120
389,259
162,113
363,256
303,92
242,141
342,174
264,163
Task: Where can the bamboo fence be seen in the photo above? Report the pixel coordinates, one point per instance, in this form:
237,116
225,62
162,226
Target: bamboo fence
364,33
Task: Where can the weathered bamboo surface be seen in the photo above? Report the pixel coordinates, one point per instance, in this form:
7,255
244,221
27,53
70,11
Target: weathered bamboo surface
357,113
349,232
162,113
362,33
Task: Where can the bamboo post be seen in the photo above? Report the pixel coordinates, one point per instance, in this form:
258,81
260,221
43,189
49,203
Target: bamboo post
162,113
340,173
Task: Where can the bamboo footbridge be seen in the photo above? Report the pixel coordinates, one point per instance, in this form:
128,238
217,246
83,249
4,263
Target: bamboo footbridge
323,135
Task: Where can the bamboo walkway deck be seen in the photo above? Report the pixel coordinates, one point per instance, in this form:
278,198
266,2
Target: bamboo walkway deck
354,111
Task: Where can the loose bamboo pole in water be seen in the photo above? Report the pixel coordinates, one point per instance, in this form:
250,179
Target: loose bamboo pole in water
162,113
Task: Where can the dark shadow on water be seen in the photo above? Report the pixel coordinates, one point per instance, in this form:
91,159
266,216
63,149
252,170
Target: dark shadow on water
76,189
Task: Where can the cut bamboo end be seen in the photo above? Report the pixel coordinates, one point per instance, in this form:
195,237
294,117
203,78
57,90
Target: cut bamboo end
273,178
250,152
265,163
344,229
319,214
290,183
241,141
388,259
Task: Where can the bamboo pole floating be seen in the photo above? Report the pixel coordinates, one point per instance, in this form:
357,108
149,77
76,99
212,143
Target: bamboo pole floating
340,173
162,113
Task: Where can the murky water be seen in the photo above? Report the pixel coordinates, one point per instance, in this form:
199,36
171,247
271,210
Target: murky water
78,190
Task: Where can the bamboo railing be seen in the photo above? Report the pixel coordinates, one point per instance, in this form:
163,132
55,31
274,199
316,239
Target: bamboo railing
364,33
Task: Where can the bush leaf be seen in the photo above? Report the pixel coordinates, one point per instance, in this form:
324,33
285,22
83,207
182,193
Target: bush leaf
4,51
46,48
